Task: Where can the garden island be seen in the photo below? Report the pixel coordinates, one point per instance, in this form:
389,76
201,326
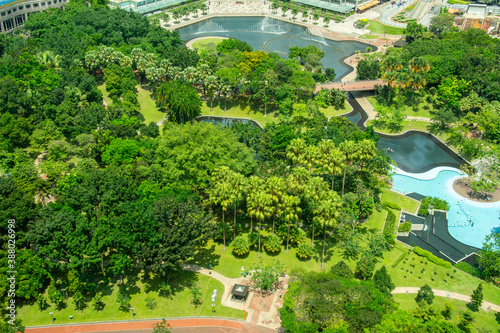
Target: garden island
249,166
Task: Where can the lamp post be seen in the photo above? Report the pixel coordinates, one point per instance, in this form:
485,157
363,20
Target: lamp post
52,316
132,309
213,304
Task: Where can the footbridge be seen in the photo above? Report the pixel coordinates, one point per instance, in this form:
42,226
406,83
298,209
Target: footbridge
351,86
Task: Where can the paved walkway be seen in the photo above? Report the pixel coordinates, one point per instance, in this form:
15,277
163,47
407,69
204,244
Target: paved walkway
262,309
351,86
448,294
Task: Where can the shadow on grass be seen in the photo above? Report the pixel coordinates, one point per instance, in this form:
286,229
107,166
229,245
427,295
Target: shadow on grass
206,256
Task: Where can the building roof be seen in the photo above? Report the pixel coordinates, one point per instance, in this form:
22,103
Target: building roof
240,290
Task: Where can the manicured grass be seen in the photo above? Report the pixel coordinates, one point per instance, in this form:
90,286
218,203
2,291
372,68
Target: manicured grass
105,94
450,279
148,106
207,44
381,28
458,2
376,221
408,204
179,304
486,320
238,108
420,109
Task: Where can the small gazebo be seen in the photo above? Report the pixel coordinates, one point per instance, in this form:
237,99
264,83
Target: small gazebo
239,293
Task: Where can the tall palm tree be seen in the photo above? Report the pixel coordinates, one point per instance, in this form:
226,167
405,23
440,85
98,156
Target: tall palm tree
304,15
49,59
238,184
295,151
311,158
222,194
291,212
419,65
327,212
314,190
417,82
349,149
402,81
295,11
326,21
366,151
332,158
253,185
259,206
275,187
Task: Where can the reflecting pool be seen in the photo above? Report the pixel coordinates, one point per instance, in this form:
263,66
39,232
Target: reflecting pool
468,221
273,35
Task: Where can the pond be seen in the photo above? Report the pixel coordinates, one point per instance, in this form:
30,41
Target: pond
274,35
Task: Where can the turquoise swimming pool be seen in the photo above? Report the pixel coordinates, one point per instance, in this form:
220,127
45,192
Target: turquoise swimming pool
468,221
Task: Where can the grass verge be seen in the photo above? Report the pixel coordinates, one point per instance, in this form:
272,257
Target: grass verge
381,28
489,321
408,204
177,305
148,106
209,44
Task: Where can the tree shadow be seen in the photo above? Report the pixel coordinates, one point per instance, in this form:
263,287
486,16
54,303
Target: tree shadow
205,257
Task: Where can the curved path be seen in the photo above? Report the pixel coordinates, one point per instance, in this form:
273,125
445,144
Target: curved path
448,294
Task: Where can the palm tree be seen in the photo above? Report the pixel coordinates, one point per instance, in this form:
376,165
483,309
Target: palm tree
332,159
203,8
315,17
295,151
175,15
327,212
402,81
254,184
304,15
284,9
259,206
311,158
291,212
238,184
314,190
389,77
224,88
274,7
49,59
275,187
417,82
349,149
420,65
222,194
326,21
295,11
165,17
211,83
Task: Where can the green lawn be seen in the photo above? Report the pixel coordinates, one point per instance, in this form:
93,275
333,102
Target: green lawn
408,204
381,28
207,44
102,89
458,2
238,108
420,109
148,106
176,306
376,221
450,279
486,320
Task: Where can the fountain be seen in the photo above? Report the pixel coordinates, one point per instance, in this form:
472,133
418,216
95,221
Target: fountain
209,27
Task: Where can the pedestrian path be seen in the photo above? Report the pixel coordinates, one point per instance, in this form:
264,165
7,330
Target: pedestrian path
448,294
262,309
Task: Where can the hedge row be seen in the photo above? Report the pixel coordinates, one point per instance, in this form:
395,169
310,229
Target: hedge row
401,257
468,268
431,257
390,227
391,205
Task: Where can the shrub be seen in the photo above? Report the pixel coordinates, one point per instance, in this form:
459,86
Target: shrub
196,294
150,303
305,250
431,257
123,299
389,228
468,268
341,269
241,246
405,227
253,239
425,294
97,302
272,244
401,257
391,205
41,302
297,235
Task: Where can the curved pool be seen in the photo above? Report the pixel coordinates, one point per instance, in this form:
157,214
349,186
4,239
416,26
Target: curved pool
274,35
468,221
